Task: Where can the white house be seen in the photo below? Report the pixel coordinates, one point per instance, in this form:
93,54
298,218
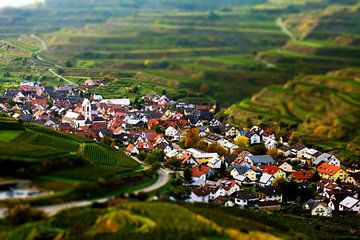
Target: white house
350,204
255,139
171,132
199,195
298,150
266,180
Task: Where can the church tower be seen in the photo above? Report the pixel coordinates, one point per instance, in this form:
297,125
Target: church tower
86,109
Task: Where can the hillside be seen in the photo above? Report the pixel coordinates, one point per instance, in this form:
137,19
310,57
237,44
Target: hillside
326,109
71,166
135,220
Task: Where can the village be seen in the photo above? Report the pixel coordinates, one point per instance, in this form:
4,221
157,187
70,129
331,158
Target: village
219,164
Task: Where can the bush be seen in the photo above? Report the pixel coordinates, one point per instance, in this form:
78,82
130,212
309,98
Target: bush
22,214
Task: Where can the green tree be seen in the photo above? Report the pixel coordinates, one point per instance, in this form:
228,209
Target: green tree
156,165
187,174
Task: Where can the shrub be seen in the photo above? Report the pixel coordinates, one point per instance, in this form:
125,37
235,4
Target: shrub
22,214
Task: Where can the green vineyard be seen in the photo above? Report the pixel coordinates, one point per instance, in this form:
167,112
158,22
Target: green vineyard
98,155
55,142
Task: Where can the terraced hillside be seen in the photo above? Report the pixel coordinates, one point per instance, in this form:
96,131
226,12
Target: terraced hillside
325,107
34,143
213,52
136,220
206,52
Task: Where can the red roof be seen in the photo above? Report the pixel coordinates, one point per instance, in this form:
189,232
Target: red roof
227,184
303,175
152,122
200,170
328,169
201,191
41,102
270,169
145,145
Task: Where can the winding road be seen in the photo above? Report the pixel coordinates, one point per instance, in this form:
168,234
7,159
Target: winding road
51,210
43,47
281,24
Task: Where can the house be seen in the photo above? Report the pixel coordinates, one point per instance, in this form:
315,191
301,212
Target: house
245,198
266,180
254,138
286,167
230,186
199,195
275,171
171,132
205,157
230,147
239,170
353,178
284,150
326,158
220,201
132,149
215,191
331,172
200,172
311,154
232,132
302,176
260,160
270,193
350,204
320,209
298,150
335,197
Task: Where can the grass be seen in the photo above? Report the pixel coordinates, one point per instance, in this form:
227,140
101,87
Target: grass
8,136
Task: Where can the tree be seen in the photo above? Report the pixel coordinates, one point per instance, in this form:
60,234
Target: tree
242,141
68,64
273,152
294,138
215,147
191,138
173,163
142,156
258,149
187,174
156,165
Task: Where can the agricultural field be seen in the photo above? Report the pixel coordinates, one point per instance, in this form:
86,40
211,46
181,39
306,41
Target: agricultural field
135,220
309,102
63,162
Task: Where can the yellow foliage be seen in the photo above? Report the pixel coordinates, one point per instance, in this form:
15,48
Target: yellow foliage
242,141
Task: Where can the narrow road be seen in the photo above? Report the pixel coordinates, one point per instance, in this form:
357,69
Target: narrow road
281,24
43,47
164,176
42,43
61,77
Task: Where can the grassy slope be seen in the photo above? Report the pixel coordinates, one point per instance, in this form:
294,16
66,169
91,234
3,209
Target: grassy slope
326,107
151,221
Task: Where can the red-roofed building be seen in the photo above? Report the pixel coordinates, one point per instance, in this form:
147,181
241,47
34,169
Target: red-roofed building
146,146
331,172
152,123
200,171
40,102
302,176
274,171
